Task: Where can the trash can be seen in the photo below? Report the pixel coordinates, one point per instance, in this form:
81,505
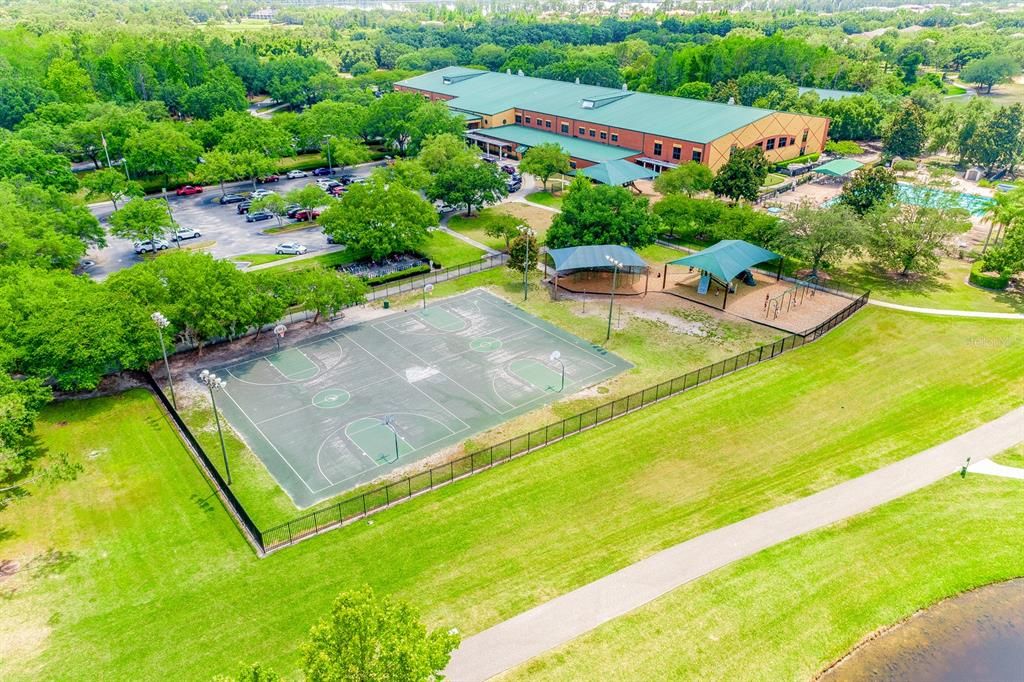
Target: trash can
387,304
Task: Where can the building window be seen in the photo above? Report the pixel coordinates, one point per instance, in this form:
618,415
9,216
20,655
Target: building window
695,155
528,119
581,131
783,141
769,144
504,121
565,128
572,164
804,138
615,137
657,149
792,140
677,152
547,124
519,118
604,135
593,132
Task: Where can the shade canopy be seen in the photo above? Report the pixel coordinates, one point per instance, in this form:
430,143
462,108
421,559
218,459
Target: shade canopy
838,167
596,258
727,258
617,172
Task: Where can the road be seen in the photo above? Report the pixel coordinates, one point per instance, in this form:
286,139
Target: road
564,618
224,231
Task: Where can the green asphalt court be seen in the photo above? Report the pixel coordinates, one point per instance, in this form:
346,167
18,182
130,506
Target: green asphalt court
340,410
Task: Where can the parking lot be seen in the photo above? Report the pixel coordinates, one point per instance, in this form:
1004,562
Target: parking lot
224,232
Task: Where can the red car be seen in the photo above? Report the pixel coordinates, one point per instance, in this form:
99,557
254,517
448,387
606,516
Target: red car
303,214
270,178
189,189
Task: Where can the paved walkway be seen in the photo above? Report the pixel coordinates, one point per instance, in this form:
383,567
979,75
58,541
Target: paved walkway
987,466
564,618
949,313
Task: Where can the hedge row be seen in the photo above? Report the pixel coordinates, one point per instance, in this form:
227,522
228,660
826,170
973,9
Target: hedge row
988,280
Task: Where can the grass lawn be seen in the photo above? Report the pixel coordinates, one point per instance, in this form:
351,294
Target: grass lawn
147,550
1014,457
773,179
475,226
446,250
545,199
790,611
327,260
949,289
290,227
260,258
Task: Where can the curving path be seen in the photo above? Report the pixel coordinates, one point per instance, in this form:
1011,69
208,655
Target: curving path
947,312
564,618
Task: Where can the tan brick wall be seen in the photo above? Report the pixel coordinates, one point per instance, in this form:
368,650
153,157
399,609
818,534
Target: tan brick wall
777,126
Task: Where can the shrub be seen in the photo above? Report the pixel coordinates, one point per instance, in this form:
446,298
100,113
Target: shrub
904,166
988,280
401,274
843,148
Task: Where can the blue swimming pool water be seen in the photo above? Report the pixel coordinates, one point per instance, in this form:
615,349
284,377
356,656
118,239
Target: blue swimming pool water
917,195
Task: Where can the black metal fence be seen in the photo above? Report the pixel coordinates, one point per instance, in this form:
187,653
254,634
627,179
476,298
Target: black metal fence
360,506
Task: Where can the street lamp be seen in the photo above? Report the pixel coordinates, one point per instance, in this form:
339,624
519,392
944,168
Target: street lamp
528,233
162,323
426,290
389,421
215,383
330,166
556,356
611,299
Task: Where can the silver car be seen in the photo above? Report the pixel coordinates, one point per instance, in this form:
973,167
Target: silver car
290,248
186,233
151,245
293,174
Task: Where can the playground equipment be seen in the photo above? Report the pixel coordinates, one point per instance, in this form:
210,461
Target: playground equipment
792,296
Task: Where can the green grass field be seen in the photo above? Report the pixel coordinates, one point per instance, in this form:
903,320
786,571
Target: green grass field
139,545
790,611
475,227
260,258
773,179
545,199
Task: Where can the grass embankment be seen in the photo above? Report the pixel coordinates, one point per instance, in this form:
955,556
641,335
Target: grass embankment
545,199
440,247
790,611
149,551
260,258
290,227
773,179
475,227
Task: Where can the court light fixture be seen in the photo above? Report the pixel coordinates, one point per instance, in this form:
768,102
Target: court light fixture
215,383
279,332
426,290
163,323
616,265
528,232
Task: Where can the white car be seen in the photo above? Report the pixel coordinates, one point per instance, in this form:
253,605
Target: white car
290,248
293,174
260,193
151,245
186,233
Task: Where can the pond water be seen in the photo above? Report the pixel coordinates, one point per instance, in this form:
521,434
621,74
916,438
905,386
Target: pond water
976,636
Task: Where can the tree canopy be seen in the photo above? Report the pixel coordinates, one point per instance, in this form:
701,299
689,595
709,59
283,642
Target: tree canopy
600,214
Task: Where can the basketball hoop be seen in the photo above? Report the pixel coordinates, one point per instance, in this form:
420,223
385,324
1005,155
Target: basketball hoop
279,332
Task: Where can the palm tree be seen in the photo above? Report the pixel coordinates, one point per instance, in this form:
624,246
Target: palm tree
1007,208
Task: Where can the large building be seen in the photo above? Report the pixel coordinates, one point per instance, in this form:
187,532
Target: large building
508,113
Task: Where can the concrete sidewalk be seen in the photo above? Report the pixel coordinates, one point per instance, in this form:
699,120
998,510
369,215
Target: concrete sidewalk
564,618
948,312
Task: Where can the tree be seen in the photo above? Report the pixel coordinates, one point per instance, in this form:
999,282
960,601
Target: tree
345,152
274,204
907,239
1009,255
218,167
20,404
757,85
601,214
328,292
377,219
843,148
162,149
990,71
438,151
431,119
695,90
523,252
253,164
905,133
689,179
366,637
239,132
490,55
22,158
692,217
69,81
545,160
142,219
307,197
853,118
110,184
825,235
220,92
252,673
1006,209
390,118
870,187
406,172
742,175
503,226
475,183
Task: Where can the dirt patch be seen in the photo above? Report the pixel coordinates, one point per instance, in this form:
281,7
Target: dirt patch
537,218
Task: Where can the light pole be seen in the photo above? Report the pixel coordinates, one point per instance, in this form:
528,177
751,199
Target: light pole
611,299
162,323
426,290
556,356
215,383
528,233
389,421
330,166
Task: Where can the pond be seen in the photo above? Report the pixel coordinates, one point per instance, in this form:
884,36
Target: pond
978,635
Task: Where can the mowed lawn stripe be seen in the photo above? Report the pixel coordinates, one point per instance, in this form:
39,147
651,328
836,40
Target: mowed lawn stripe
179,579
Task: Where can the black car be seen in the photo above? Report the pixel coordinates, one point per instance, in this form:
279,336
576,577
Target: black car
258,215
346,179
292,209
323,171
231,199
511,170
244,206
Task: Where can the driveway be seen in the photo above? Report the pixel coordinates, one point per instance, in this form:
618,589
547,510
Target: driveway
225,233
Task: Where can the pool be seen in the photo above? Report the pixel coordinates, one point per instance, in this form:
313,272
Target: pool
918,195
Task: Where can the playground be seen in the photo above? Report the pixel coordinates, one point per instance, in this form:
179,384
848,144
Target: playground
343,409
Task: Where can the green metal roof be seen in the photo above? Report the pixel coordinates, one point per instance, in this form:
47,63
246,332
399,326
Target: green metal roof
466,116
595,258
727,258
576,148
488,93
838,167
617,172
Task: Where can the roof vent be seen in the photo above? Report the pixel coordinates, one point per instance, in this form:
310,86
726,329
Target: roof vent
520,73
601,100
451,79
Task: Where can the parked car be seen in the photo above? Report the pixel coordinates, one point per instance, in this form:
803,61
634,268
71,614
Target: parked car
151,245
270,178
291,249
260,193
231,199
330,239
305,214
514,186
337,191
511,170
188,189
346,179
323,171
446,208
293,174
291,209
244,206
257,216
186,233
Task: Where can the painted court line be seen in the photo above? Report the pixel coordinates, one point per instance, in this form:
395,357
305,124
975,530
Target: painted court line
306,407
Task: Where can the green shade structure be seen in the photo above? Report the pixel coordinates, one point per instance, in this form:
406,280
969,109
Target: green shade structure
618,172
726,259
838,167
598,258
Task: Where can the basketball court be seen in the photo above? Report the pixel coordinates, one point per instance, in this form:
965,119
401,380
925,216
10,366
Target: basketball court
340,410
